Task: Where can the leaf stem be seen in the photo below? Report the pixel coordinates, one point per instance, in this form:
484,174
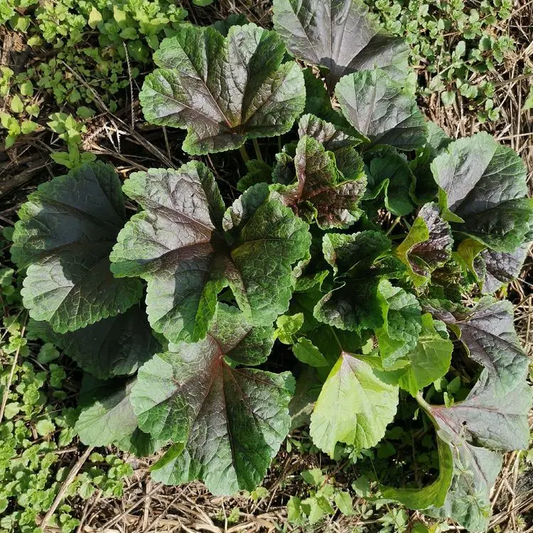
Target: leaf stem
258,153
244,154
394,224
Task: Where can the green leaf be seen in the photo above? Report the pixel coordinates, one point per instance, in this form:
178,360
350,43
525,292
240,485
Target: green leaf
381,110
111,347
288,326
66,231
338,35
193,392
389,173
321,192
354,407
306,352
355,304
428,245
107,417
401,324
483,189
16,104
223,90
487,332
258,172
179,246
429,360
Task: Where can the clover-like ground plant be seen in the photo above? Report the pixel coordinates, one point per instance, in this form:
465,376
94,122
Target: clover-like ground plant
372,246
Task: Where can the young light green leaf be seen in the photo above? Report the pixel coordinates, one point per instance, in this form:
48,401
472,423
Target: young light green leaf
338,35
223,90
381,110
66,231
232,420
429,360
179,246
430,495
428,245
483,191
306,352
354,407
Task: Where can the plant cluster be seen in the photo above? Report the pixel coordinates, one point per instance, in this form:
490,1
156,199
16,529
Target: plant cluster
347,287
454,42
93,47
37,427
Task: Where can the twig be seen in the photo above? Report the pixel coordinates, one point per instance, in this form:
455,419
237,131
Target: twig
70,478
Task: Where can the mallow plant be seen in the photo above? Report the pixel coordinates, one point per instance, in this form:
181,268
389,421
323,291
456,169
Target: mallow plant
357,268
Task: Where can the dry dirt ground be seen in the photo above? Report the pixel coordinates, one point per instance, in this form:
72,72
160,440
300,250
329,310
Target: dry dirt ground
150,507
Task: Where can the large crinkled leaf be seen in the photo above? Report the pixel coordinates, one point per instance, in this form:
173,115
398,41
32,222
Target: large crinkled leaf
338,35
389,173
483,188
321,193
381,110
354,406
113,346
495,269
223,90
179,246
231,420
65,234
430,359
402,324
487,331
107,417
428,245
481,420
356,303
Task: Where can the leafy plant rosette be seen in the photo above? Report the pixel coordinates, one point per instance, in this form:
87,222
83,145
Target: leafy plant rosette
357,247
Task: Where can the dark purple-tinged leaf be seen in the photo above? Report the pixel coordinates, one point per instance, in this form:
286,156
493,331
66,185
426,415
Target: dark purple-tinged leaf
321,193
487,331
428,245
114,346
381,110
231,420
483,419
223,90
483,192
179,246
338,35
65,234
495,269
